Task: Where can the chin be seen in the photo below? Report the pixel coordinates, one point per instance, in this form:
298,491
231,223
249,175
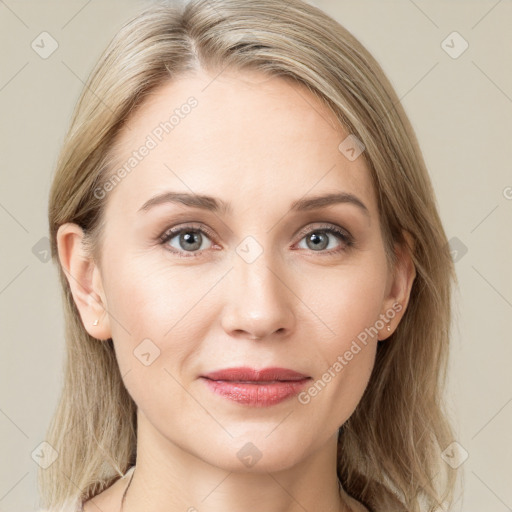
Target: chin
256,452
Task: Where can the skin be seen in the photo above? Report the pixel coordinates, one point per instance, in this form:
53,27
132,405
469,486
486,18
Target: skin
258,143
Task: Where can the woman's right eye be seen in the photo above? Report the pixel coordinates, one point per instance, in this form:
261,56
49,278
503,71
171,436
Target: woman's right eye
185,239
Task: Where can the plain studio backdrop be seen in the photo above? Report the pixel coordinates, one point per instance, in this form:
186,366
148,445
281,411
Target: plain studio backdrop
450,64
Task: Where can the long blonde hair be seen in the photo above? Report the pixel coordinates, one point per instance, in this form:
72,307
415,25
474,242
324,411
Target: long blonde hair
389,449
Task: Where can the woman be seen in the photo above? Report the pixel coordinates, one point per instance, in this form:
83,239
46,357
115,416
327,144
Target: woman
256,279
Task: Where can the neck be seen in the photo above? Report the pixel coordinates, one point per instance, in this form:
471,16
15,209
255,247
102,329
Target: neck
168,478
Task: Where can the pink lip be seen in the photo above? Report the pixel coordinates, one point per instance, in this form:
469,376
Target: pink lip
258,388
244,373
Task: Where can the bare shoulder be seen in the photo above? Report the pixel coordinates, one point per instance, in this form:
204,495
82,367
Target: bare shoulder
109,500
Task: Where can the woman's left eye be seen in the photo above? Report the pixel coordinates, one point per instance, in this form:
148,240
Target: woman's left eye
191,239
317,239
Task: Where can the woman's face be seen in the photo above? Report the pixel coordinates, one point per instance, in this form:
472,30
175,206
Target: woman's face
256,279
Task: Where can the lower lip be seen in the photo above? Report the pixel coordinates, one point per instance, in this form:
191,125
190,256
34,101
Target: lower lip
256,395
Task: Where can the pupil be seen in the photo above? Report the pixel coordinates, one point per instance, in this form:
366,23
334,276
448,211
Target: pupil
191,238
318,240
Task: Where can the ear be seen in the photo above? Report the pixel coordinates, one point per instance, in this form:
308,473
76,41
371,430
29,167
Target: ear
84,279
399,286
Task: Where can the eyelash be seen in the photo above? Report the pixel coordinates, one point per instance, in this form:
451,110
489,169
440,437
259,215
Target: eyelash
345,237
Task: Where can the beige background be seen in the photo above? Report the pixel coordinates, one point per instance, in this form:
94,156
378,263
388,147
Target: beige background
461,109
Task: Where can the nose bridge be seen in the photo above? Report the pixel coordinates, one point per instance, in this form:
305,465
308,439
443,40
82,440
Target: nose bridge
258,302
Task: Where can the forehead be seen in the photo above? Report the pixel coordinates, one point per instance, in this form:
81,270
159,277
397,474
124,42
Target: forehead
238,136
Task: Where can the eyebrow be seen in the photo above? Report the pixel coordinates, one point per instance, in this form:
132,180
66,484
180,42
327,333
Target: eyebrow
216,205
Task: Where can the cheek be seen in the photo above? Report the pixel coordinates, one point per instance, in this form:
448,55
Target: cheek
161,322
348,301
156,332
148,296
159,315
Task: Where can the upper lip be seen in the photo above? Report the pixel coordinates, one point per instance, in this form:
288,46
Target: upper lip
252,374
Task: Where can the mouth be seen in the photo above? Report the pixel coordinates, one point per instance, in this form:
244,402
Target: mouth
254,381
256,388
252,375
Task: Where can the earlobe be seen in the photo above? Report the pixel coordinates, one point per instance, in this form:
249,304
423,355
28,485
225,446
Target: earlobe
402,280
84,280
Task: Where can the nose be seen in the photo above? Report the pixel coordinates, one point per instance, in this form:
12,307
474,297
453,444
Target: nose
259,301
